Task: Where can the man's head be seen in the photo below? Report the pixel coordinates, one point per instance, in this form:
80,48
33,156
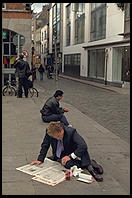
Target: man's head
58,94
55,130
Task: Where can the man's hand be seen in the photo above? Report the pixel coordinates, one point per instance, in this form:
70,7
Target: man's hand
36,162
65,159
66,109
17,58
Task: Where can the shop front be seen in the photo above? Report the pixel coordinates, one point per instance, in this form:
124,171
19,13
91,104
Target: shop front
12,44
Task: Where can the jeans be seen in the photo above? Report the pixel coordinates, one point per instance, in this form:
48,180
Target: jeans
56,117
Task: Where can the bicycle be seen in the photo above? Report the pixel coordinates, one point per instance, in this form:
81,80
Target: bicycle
9,90
32,91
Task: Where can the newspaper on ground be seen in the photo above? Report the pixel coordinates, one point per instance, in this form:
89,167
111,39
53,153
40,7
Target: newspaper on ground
34,169
53,176
50,172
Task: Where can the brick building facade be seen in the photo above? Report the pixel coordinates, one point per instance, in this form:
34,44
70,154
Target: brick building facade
16,34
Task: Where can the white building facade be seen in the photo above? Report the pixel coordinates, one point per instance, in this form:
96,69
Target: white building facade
44,44
93,47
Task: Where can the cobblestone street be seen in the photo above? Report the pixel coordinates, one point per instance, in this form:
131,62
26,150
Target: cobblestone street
110,109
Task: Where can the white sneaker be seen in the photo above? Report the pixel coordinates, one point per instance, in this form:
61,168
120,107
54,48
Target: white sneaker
69,125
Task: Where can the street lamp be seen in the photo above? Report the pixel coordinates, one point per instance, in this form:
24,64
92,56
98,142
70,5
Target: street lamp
56,65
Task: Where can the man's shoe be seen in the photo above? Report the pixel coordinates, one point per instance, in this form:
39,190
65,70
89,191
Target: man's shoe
97,177
97,167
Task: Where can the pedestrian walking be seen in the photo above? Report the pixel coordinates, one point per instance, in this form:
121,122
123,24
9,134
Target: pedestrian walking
52,111
41,71
68,148
33,73
50,70
22,72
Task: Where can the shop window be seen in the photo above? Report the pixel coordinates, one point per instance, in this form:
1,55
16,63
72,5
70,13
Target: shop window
6,48
5,35
96,63
11,47
72,64
121,64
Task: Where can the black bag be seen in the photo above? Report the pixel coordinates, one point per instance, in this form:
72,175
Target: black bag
28,73
29,83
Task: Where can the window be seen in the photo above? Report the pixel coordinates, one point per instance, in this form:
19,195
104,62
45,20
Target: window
42,36
27,6
79,22
98,21
45,35
68,22
3,5
54,14
11,47
56,21
42,49
45,48
127,10
121,64
72,64
96,63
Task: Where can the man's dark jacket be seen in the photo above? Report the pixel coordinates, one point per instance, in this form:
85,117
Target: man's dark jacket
51,107
22,69
72,142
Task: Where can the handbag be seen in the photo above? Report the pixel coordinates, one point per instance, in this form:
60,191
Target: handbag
29,83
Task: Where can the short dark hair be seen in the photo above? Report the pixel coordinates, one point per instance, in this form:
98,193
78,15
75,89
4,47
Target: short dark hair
21,56
58,93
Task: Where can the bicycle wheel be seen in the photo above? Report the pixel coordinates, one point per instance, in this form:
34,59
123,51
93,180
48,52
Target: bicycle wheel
9,91
33,92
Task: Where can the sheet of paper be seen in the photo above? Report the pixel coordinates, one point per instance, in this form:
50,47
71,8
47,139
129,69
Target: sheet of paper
50,172
34,169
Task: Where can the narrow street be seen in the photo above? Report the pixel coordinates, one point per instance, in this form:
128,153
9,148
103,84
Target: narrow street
22,135
82,49
108,108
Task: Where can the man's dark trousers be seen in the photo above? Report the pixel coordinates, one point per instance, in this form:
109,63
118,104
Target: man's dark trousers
22,83
55,117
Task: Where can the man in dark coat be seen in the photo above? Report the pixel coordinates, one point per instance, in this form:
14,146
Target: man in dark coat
23,72
51,110
41,71
68,148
